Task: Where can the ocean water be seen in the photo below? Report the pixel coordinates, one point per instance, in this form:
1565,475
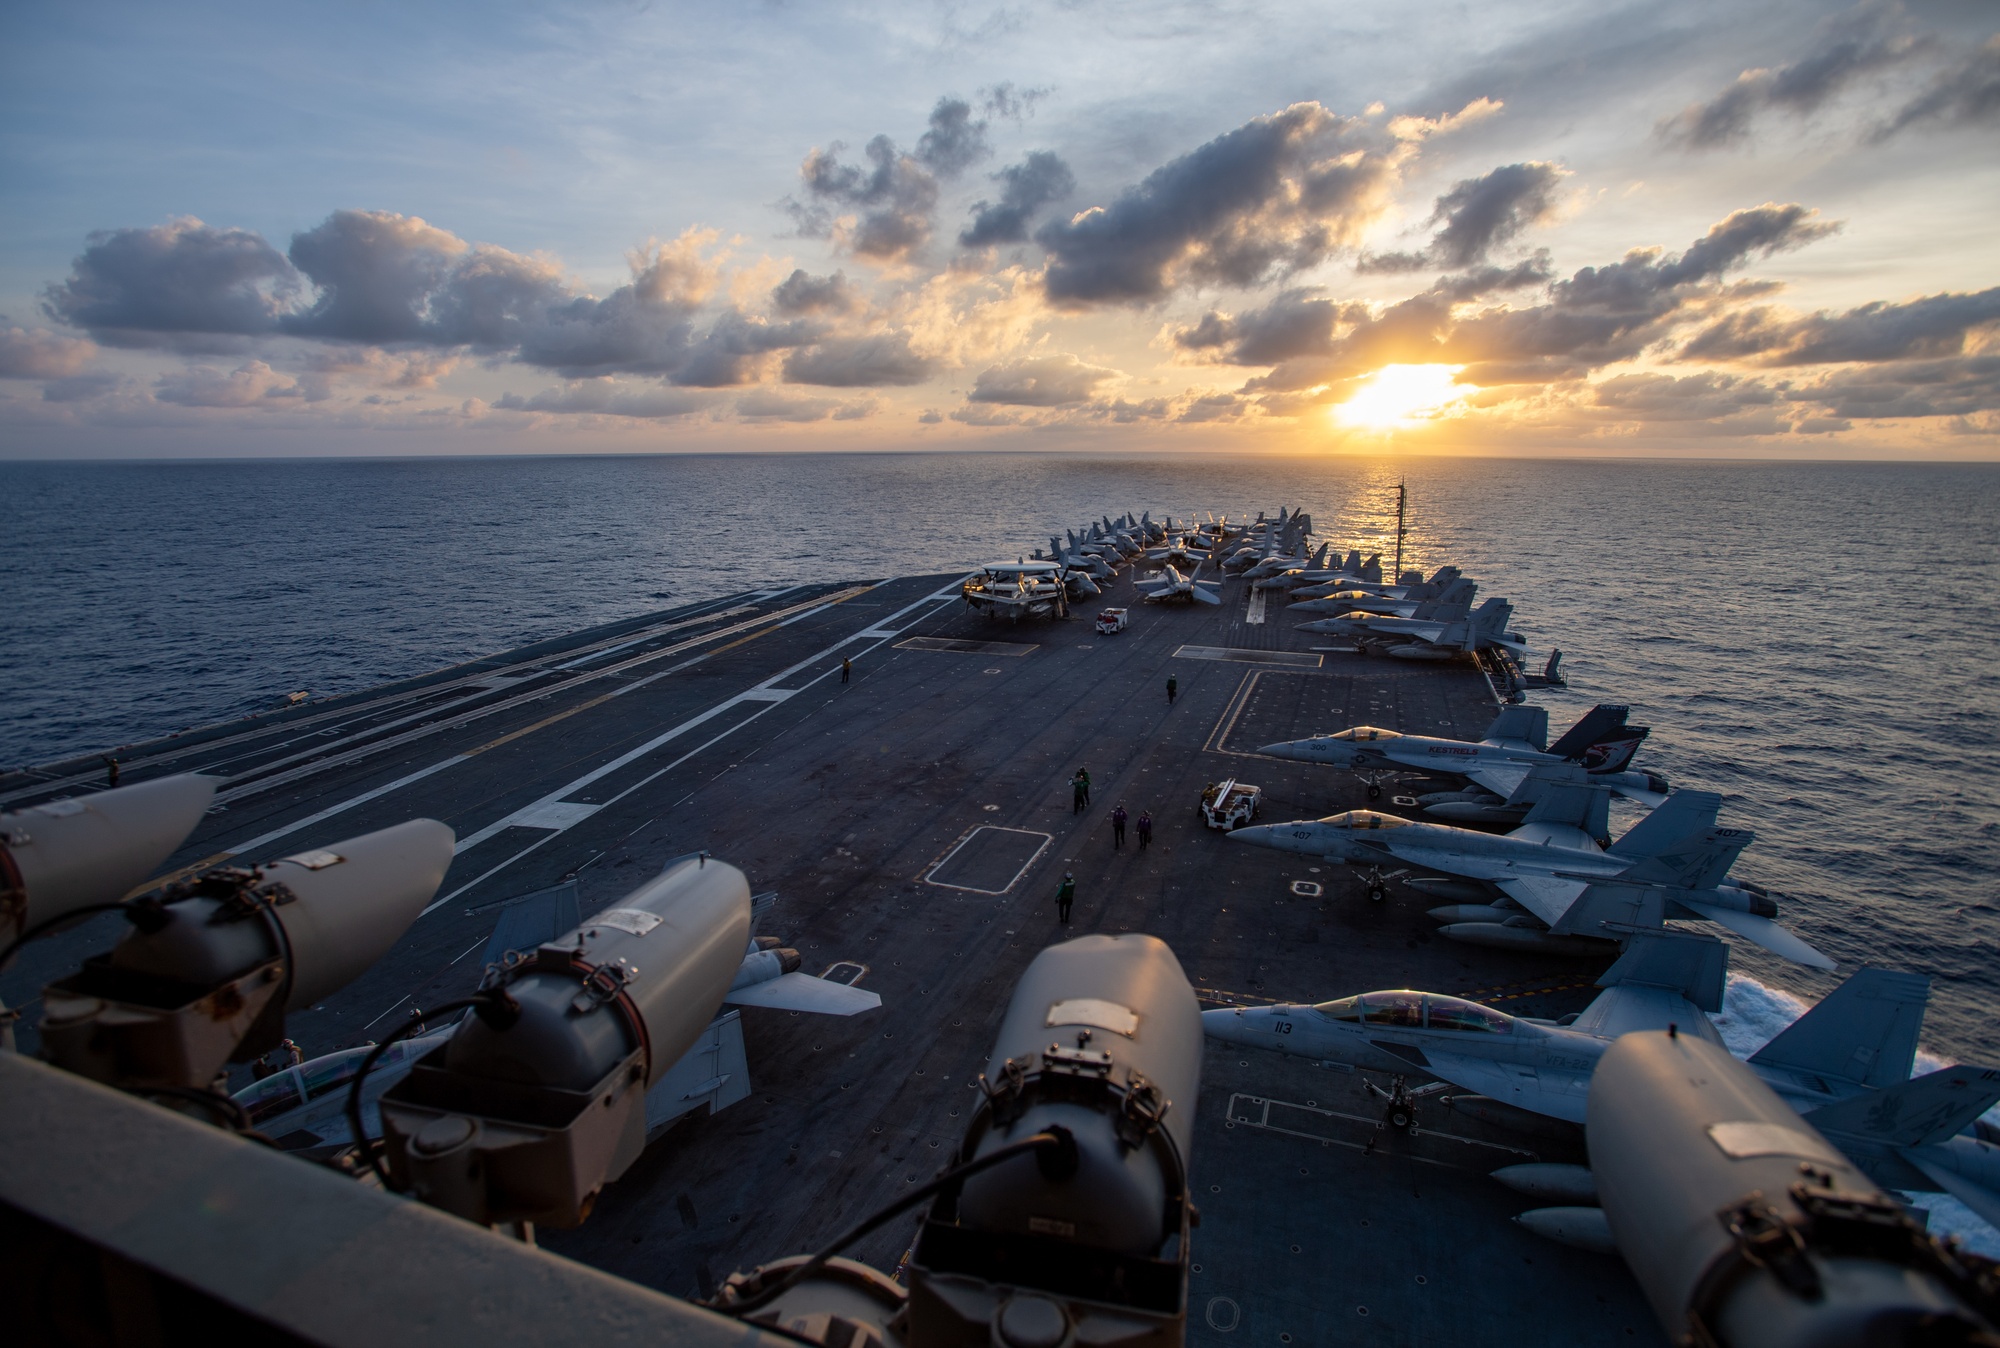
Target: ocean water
1816,641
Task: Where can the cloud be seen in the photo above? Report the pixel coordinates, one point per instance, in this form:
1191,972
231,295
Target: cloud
37,353
1964,94
1934,326
1041,381
173,285
1025,188
608,397
252,384
803,294
1865,39
78,388
737,348
376,273
1480,213
642,328
1296,323
894,195
1598,316
1277,194
884,358
1695,397
1932,388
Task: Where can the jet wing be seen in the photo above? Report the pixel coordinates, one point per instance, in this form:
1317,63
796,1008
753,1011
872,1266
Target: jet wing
803,992
1976,1196
1502,779
1774,938
1409,627
1564,862
1546,896
1556,1094
1652,800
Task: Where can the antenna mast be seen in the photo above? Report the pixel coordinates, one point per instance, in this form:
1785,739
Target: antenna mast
1402,507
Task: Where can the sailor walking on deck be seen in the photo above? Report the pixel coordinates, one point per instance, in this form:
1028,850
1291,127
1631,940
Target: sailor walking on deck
1079,794
846,668
1065,896
1118,827
1145,829
1173,686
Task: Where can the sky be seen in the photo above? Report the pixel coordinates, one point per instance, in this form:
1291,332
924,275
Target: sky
1547,227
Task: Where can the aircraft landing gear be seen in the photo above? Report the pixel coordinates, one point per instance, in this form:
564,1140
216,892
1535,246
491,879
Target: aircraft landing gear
1399,1113
1377,880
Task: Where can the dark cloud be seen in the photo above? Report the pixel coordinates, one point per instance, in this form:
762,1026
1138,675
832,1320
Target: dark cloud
376,273
800,293
1868,38
894,194
1478,215
1696,397
607,397
1481,213
1276,194
1040,381
954,142
643,328
1930,388
1296,323
173,285
1965,94
1025,188
1934,326
736,347
1482,281
882,359
37,353
1214,407
1598,316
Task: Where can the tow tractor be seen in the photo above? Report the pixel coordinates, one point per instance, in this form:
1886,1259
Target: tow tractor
1110,620
1230,804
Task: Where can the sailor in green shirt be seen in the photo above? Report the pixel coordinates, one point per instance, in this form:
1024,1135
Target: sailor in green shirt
1065,896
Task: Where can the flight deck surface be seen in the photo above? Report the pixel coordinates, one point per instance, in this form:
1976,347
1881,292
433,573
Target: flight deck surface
915,822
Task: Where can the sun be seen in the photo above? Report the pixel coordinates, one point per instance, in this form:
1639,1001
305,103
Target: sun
1397,396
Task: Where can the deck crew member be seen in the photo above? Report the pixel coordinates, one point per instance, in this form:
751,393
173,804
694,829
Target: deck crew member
1145,829
1173,686
1079,794
1065,896
846,668
1118,827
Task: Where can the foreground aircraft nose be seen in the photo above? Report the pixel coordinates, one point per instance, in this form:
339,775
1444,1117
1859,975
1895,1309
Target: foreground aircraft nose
1306,751
1285,837
1238,1025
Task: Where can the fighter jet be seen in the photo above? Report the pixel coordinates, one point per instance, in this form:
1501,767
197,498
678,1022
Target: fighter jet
1173,585
1389,601
1845,1064
1499,765
1439,629
1563,893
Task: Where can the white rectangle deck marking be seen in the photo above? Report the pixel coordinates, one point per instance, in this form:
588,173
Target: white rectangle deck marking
558,814
984,857
768,694
958,646
1320,1125
1255,617
1290,659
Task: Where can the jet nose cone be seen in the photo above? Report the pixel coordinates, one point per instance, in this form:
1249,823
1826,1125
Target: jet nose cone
1289,749
1232,1024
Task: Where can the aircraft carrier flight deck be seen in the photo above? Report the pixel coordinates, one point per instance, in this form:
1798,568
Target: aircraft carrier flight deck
915,819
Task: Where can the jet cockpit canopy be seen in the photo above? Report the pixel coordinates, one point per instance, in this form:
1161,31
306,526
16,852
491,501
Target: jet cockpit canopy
1366,819
1365,734
1418,1010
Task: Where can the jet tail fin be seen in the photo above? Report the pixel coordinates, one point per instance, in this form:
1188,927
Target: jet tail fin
1614,753
1520,724
1691,964
1864,1031
1567,797
1918,1113
1594,725
1673,821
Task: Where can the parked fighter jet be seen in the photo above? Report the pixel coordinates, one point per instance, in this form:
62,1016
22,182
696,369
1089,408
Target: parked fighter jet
1439,629
1410,585
1570,894
1390,601
1173,585
1499,764
1845,1064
